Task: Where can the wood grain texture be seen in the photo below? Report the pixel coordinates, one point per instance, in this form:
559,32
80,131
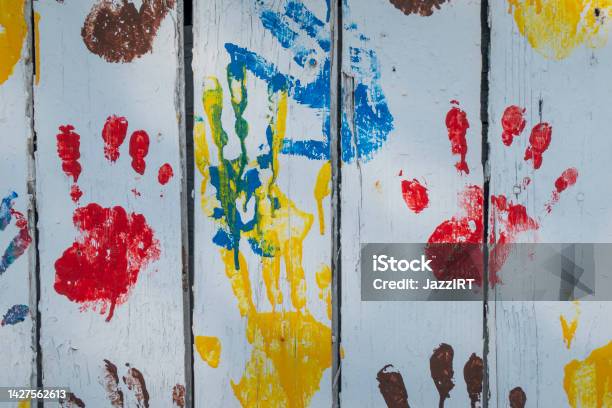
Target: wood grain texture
110,221
17,260
422,64
557,74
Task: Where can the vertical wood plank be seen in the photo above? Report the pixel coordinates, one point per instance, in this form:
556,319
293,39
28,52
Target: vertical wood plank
17,255
553,74
262,297
107,118
414,60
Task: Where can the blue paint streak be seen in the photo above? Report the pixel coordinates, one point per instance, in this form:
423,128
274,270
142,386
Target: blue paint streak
16,314
5,210
372,119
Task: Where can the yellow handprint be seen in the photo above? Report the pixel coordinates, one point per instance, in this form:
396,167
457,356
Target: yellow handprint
291,349
13,30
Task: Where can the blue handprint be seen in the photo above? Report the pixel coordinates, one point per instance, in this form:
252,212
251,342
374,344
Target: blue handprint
372,122
21,241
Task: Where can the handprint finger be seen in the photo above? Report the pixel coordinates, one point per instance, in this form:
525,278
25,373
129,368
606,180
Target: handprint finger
288,38
21,241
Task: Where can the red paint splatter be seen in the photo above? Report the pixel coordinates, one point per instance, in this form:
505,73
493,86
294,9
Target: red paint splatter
139,148
415,195
165,174
401,173
567,179
103,263
135,192
457,125
75,193
539,140
68,144
113,133
512,123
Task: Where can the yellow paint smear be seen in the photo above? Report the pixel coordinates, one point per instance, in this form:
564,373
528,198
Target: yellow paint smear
555,28
209,349
324,277
588,383
37,46
13,30
23,404
291,350
322,190
569,329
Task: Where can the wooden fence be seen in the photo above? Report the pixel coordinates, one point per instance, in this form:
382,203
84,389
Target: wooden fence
150,263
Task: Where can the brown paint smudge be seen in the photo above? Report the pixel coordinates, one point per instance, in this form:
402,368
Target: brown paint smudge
423,7
473,372
517,398
178,396
120,32
111,384
136,382
72,401
441,367
392,388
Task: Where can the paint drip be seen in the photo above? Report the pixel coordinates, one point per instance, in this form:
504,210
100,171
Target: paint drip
473,373
103,263
113,134
517,398
392,388
164,174
539,140
118,32
424,8
139,148
513,122
457,124
441,368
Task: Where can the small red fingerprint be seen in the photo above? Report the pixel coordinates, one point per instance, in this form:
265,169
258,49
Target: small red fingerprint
539,140
567,179
113,133
415,195
139,148
75,193
457,125
165,174
513,123
68,144
103,263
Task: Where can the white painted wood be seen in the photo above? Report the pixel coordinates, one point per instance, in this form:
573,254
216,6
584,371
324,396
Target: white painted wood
565,79
424,62
301,374
17,357
82,89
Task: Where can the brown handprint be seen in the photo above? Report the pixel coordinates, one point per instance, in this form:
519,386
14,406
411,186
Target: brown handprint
120,32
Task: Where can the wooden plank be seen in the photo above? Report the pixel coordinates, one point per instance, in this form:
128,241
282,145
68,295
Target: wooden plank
554,71
17,261
421,59
262,300
107,116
